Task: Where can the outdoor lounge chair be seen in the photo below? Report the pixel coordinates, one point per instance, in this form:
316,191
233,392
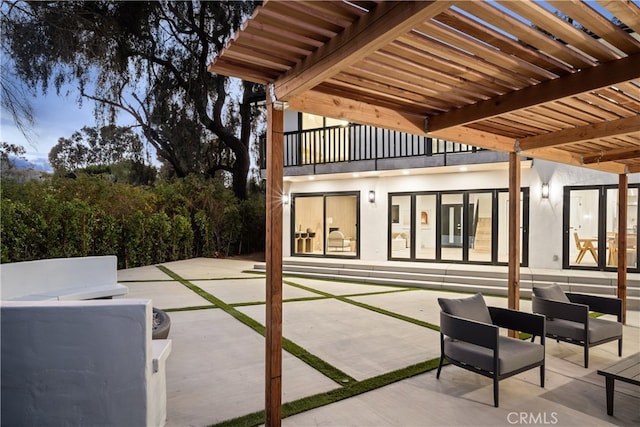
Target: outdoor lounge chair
568,317
470,338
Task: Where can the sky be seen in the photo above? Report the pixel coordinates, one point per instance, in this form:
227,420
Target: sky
56,116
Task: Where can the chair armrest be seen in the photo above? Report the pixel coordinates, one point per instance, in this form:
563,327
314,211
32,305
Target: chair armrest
606,305
560,310
518,320
458,328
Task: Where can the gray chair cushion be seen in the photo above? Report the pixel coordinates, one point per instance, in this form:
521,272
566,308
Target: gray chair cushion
565,328
514,354
599,329
473,308
552,292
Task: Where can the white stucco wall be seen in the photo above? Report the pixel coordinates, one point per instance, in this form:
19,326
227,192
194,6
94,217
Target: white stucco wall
545,221
78,363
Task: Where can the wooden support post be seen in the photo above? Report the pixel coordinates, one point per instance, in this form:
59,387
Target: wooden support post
273,258
514,235
623,182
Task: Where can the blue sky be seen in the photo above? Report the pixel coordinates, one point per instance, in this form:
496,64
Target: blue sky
55,117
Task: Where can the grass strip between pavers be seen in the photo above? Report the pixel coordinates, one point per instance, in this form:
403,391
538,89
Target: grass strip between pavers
312,360
321,399
193,308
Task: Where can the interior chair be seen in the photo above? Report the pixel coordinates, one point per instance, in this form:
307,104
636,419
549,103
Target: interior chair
337,241
470,338
568,317
584,246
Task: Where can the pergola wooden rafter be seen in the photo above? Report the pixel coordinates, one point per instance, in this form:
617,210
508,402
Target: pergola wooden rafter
554,80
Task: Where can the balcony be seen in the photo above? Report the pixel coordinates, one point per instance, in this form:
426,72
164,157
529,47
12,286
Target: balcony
357,147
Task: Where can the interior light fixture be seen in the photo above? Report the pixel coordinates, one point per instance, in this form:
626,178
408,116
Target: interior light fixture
285,199
545,191
372,196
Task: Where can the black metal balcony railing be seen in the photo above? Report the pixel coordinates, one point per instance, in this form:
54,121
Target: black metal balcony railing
358,142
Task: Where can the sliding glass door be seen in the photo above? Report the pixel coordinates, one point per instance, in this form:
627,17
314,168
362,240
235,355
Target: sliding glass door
325,224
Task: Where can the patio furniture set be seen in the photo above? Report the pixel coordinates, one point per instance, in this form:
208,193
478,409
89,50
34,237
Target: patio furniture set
470,336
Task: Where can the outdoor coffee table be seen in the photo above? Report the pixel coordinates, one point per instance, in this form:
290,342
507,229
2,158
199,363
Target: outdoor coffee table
627,370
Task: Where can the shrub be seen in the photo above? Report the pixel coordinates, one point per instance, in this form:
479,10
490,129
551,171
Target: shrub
92,215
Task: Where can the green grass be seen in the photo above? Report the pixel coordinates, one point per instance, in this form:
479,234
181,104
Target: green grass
196,307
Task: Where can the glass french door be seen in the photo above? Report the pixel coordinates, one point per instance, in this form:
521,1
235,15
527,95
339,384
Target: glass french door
460,226
591,227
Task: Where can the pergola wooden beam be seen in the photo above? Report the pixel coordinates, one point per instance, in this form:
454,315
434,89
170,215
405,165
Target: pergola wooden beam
628,9
373,31
612,155
623,200
513,282
322,104
589,79
560,156
581,133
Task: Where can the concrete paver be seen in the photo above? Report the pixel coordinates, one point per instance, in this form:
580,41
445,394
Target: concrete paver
340,288
210,268
235,291
360,342
216,369
149,272
166,295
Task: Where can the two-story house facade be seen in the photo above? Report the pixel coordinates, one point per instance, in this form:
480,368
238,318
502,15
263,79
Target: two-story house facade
359,192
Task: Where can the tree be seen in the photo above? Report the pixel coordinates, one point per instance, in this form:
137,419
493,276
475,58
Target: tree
15,101
148,59
93,146
7,150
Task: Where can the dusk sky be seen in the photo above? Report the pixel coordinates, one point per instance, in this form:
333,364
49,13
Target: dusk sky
55,116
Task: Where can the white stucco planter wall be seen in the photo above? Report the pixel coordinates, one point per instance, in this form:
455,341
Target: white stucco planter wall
82,363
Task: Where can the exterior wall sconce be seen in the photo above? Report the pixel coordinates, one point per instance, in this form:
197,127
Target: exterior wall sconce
285,199
545,191
372,196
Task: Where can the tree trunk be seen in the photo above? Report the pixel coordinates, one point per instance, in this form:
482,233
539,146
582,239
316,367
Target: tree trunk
240,174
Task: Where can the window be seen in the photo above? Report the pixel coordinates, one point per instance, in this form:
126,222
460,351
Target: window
325,224
323,139
481,226
400,227
426,219
457,226
591,227
503,226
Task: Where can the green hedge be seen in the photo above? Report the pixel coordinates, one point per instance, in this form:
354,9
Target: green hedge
90,215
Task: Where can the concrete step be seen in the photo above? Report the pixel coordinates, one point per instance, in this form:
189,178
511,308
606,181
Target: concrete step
463,278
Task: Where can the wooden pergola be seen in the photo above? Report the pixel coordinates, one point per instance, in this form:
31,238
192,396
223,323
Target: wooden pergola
558,80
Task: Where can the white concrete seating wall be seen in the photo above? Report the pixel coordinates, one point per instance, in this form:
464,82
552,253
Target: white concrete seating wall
61,279
81,363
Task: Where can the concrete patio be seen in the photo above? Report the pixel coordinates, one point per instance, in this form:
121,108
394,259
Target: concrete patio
215,373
